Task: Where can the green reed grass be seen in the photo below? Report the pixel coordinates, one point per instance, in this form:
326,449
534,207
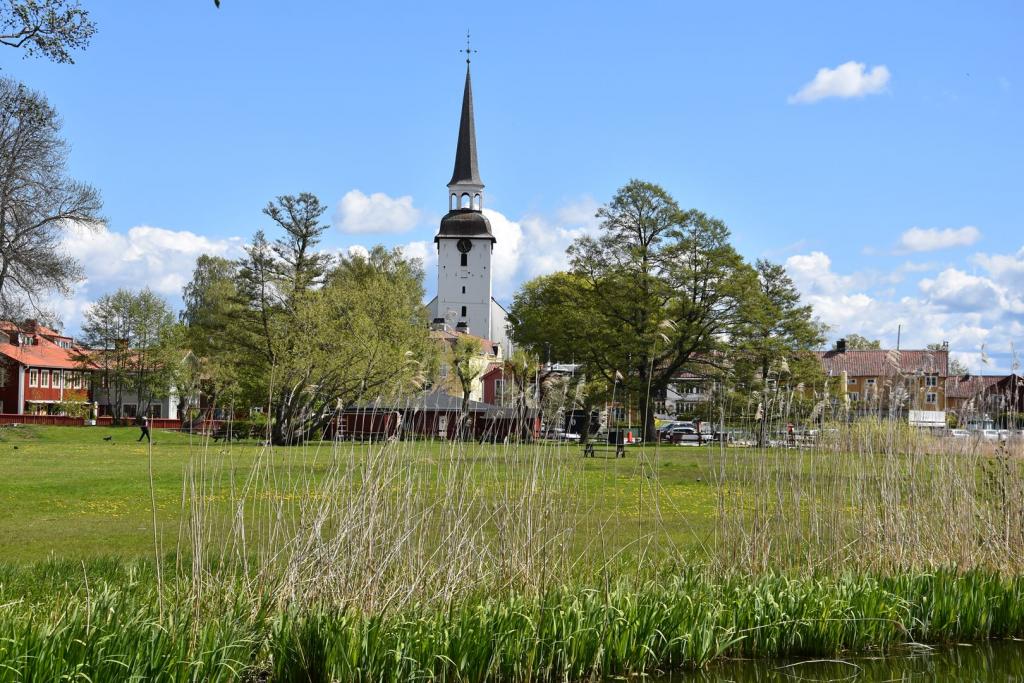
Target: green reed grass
101,621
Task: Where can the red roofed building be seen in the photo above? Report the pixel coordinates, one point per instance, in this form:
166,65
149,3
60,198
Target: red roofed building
871,375
39,369
997,397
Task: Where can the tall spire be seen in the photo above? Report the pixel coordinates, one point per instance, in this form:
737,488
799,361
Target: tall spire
466,170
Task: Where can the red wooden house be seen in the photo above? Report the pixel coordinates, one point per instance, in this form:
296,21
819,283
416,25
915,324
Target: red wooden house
39,370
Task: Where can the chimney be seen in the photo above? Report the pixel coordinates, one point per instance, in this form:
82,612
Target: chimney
31,326
841,345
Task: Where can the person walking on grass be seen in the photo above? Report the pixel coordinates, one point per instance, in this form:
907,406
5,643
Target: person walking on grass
144,426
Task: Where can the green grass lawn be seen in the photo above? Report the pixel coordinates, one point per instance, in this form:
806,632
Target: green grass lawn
66,492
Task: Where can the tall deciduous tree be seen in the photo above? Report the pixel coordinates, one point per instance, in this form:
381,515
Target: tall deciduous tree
465,370
309,334
211,307
38,202
135,348
662,285
45,28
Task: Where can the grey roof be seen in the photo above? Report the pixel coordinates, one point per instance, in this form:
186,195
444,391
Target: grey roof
465,223
466,170
440,400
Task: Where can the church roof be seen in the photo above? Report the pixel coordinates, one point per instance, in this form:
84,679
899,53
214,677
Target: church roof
465,223
466,169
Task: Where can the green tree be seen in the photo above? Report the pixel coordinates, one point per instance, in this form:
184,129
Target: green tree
211,308
657,290
855,342
520,372
956,368
774,340
134,347
45,28
465,370
310,334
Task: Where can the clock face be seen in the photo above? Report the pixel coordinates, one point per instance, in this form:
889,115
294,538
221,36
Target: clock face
464,245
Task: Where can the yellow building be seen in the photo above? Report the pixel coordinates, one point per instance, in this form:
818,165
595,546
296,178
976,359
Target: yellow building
490,354
911,379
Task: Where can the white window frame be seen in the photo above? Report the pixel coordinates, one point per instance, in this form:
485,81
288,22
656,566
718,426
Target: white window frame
854,395
931,397
870,381
44,379
56,379
33,377
931,381
851,380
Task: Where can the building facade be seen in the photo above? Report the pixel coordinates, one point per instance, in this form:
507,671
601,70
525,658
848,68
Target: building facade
986,400
489,355
44,372
40,370
880,379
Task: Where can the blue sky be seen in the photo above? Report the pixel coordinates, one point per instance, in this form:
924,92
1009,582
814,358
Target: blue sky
189,119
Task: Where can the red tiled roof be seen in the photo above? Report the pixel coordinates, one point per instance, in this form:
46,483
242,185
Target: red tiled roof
45,354
41,354
882,362
486,345
968,386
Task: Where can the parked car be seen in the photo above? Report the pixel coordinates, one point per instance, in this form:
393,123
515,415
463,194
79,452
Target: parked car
559,434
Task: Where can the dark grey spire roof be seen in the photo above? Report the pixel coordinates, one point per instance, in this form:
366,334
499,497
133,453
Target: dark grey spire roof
465,223
466,169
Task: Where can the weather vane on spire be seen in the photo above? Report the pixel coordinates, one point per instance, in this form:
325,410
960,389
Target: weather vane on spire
469,51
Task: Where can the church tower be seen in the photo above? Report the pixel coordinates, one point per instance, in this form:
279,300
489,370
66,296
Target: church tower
465,244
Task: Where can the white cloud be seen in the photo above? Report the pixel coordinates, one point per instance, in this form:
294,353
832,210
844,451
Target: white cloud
144,256
1006,269
505,260
846,80
931,239
959,291
536,245
966,309
359,213
812,273
357,250
426,252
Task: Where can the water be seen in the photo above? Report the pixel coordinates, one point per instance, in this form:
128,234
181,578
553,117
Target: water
1001,661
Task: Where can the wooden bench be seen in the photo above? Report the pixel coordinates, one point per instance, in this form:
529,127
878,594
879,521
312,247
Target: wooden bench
222,432
590,449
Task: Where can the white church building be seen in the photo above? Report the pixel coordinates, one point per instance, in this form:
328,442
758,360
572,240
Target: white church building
465,246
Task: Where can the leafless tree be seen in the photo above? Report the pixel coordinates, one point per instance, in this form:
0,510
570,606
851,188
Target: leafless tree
38,203
45,28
